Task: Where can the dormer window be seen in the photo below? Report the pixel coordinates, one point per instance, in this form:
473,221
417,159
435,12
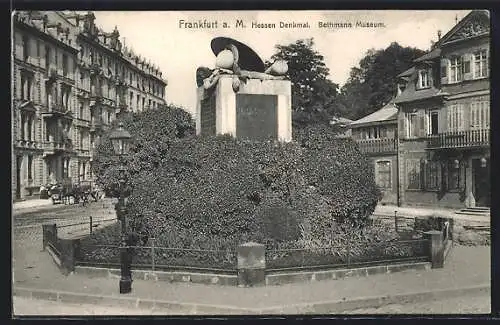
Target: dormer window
424,79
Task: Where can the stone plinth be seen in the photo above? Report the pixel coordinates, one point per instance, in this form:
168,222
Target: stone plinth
251,264
260,109
436,248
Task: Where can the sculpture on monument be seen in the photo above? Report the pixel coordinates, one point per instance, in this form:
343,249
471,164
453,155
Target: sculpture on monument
237,59
241,97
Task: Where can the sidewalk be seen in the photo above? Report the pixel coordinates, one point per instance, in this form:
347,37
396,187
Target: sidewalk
31,204
467,271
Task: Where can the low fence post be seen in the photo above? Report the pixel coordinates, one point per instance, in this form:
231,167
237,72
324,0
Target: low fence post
153,254
90,224
49,232
396,221
436,248
70,249
251,264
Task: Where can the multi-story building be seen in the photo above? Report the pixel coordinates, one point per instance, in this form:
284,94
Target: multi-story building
70,80
443,114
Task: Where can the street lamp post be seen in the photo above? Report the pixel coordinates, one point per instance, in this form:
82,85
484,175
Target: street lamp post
120,138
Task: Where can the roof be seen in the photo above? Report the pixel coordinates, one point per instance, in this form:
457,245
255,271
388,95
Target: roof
406,73
410,94
386,113
474,13
341,120
434,54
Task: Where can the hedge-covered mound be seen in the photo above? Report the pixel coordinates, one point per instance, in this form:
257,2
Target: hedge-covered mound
216,192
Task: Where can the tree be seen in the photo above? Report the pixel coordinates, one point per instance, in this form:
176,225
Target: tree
312,92
373,84
152,132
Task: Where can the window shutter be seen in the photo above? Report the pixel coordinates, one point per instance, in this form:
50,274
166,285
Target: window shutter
421,124
402,126
461,122
445,63
467,60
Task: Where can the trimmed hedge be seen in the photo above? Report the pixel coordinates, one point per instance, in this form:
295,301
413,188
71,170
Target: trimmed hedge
216,192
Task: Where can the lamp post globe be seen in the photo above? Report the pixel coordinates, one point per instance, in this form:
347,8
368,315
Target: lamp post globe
120,139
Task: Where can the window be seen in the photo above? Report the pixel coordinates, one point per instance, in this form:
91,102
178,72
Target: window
82,135
109,117
455,118
383,176
413,174
23,131
26,86
65,93
138,100
480,64
26,47
149,103
480,115
143,103
423,79
432,175
47,57
412,125
65,65
47,131
30,128
456,69
433,125
30,167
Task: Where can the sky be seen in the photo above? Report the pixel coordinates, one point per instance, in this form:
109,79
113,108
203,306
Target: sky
179,51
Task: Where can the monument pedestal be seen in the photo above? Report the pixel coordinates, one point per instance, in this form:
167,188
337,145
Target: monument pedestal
260,109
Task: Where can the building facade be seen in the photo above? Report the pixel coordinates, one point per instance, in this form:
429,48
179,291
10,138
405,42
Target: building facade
70,79
443,121
376,135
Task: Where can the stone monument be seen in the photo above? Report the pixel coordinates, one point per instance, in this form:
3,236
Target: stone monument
240,97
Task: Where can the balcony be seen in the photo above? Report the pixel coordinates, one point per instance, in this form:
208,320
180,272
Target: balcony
53,147
96,124
26,144
378,146
57,110
460,139
51,74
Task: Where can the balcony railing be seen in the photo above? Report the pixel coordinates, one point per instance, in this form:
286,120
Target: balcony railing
375,146
460,139
52,147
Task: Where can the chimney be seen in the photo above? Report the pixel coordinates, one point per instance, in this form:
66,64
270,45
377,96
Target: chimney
439,35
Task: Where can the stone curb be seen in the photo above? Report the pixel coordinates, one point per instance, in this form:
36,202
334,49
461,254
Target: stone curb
133,302
320,307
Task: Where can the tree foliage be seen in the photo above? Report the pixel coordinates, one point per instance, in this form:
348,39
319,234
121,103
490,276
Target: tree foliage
312,92
373,83
151,131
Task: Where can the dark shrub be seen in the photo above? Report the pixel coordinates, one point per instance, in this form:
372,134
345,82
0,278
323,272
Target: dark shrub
340,173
